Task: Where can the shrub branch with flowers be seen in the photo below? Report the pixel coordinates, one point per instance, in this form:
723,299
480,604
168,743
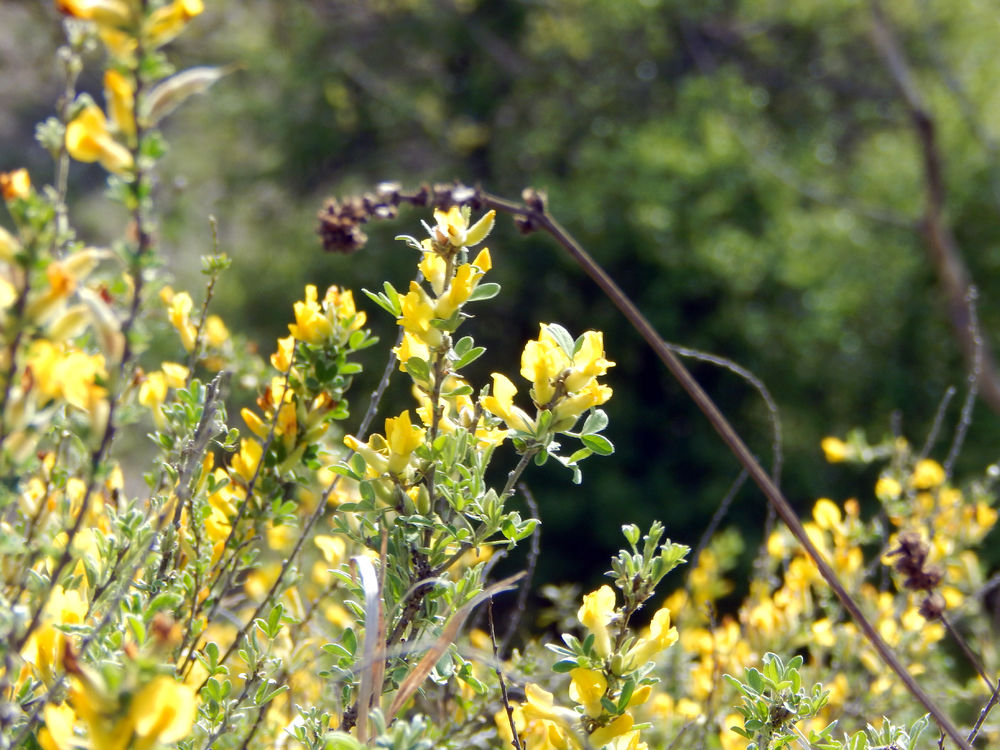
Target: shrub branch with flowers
297,580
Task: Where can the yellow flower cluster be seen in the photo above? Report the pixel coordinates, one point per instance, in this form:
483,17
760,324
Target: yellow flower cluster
334,319
162,711
392,453
458,412
122,23
452,285
543,724
564,383
179,307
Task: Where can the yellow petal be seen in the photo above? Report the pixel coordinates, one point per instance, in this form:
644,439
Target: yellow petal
164,709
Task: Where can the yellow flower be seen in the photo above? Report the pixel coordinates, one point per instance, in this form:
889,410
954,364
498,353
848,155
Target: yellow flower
823,633
287,425
102,12
827,514
500,403
44,649
152,394
603,735
310,326
463,284
9,245
58,732
16,184
453,227
335,318
166,22
8,294
596,613
119,94
835,449
542,362
417,312
281,360
548,367
887,488
179,314
175,373
434,268
588,361
776,547
391,453
246,461
70,375
257,425
121,44
661,636
568,410
402,438
587,688
88,140
216,333
411,347
539,706
927,475
162,711
334,548
339,305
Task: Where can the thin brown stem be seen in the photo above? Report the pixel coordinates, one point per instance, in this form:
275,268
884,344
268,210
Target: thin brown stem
515,740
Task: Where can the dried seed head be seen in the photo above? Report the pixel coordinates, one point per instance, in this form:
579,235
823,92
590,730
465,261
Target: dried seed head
912,551
340,226
932,607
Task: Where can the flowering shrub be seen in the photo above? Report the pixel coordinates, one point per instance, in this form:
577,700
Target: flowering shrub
295,581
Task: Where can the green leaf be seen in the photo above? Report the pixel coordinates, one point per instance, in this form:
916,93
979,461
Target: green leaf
564,665
413,242
470,356
345,471
418,368
484,291
350,640
627,689
386,303
598,444
562,337
597,420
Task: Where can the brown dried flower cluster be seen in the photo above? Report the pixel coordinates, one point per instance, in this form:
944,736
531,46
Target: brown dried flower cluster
340,221
912,551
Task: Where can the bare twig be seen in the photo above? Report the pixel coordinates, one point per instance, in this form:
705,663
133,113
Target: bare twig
994,699
777,454
938,423
515,740
716,520
942,246
522,594
965,418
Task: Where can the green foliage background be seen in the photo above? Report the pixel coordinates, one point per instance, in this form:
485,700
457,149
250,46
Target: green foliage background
744,168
